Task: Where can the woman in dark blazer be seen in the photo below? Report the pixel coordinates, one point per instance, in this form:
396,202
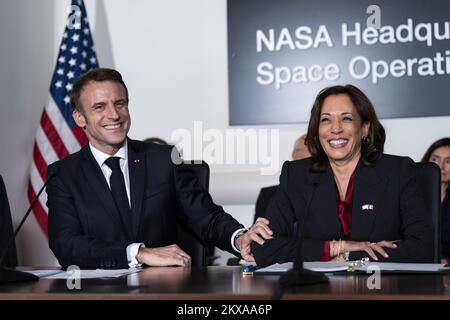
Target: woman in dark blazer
349,200
439,153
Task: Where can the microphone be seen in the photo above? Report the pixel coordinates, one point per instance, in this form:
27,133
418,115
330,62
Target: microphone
12,275
298,276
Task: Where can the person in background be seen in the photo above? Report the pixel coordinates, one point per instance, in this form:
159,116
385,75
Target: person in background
439,153
113,204
299,152
350,200
156,140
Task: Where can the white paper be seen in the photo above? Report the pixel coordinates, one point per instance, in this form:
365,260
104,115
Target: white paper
331,266
318,266
321,266
407,267
84,274
45,273
275,268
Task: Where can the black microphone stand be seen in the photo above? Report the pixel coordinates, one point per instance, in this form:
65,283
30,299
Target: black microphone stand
12,275
298,275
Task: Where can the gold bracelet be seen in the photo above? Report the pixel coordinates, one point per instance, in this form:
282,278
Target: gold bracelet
332,248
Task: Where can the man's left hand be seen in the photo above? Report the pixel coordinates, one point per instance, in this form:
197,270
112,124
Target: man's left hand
258,232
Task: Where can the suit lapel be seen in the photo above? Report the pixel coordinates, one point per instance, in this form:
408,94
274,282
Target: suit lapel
367,201
323,209
96,179
136,167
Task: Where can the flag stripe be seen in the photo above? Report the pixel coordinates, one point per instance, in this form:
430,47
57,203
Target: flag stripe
45,147
58,135
38,210
39,161
61,126
37,182
53,136
80,135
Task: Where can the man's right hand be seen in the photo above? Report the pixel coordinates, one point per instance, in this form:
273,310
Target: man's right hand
170,255
258,232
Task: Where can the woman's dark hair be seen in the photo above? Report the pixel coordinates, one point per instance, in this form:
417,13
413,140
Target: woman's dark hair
99,75
371,147
444,142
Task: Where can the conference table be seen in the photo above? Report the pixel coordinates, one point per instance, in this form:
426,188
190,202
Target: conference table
229,283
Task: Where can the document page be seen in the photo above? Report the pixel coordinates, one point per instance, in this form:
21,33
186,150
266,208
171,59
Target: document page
320,266
406,267
84,274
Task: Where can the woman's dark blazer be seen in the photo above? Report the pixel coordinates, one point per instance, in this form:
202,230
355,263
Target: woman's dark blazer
387,205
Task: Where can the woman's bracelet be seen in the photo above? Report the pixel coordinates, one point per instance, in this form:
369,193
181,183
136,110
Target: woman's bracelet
333,248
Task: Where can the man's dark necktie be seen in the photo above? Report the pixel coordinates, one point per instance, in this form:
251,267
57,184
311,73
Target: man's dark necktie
119,192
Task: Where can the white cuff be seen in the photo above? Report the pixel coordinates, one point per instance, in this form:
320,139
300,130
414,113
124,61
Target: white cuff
233,237
132,251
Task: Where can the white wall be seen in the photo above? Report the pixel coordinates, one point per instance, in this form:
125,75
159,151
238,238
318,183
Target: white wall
26,64
173,56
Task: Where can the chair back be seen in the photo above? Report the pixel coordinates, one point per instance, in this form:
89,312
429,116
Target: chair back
186,239
429,176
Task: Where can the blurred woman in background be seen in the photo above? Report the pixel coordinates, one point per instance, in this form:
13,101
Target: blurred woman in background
439,153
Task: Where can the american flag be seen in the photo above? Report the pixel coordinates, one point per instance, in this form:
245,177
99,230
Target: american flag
58,135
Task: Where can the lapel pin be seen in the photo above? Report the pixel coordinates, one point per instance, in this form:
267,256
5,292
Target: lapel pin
367,207
136,161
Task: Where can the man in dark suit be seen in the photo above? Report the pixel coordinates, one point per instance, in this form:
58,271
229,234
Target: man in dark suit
299,152
6,229
115,203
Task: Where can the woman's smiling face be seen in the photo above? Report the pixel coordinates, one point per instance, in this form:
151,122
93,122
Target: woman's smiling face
340,129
